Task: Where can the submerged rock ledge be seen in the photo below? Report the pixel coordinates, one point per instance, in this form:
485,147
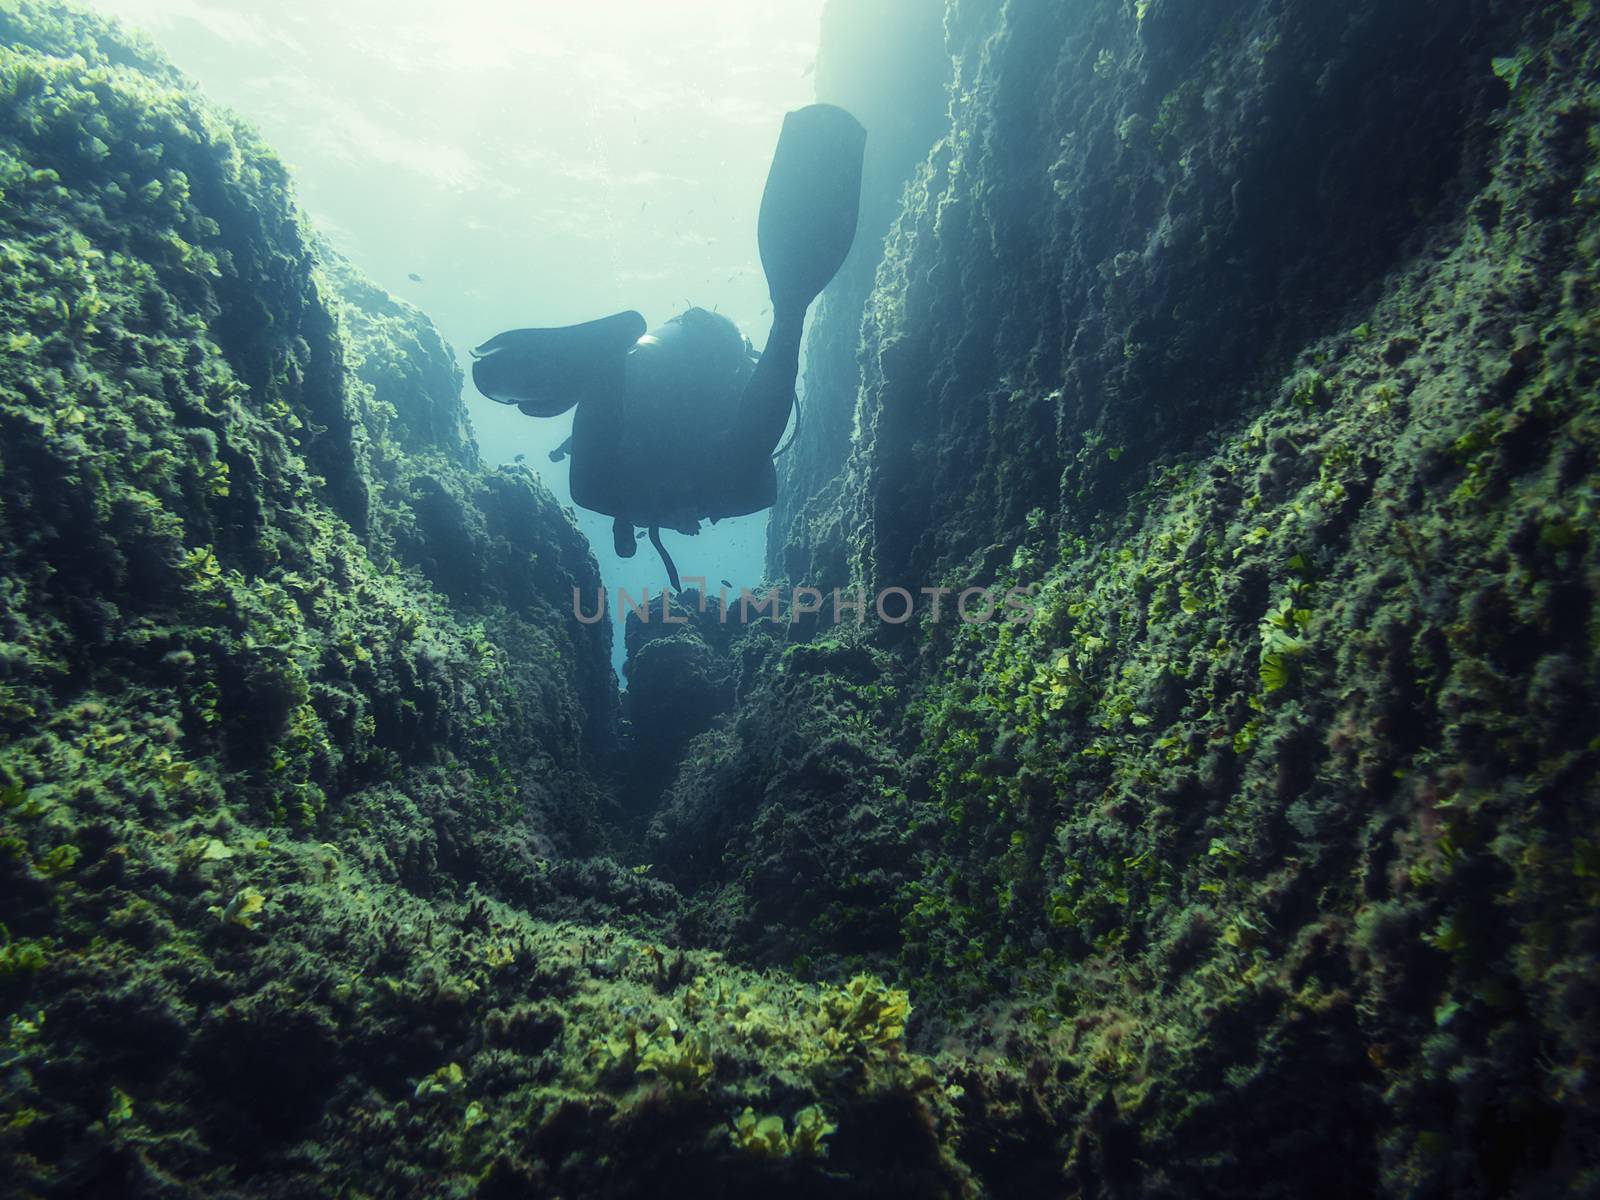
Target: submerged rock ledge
1261,337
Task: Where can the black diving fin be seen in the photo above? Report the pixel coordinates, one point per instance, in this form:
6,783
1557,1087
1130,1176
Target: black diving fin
811,203
544,372
808,221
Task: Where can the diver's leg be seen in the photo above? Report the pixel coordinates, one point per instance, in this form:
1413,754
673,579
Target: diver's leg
622,538
769,396
544,372
807,224
597,476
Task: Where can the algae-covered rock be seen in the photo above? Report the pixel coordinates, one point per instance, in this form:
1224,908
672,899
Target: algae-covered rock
248,548
1260,340
885,62
788,824
304,756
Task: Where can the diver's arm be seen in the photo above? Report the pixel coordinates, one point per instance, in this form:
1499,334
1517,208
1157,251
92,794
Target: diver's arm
769,396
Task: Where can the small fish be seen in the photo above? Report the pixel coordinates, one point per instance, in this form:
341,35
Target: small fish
519,458
415,278
726,584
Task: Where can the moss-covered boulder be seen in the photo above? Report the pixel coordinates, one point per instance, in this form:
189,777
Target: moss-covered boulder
1259,339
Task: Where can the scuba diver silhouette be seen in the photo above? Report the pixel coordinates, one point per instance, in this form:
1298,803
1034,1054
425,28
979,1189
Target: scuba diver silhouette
679,424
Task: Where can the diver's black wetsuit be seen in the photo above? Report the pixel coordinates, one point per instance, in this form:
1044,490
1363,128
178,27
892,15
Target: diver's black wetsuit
674,426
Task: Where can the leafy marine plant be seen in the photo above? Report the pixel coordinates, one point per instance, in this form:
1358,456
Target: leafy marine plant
681,1060
866,1016
1282,643
767,1137
20,958
1509,68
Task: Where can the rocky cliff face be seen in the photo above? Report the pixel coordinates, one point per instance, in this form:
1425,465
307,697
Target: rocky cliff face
885,62
314,878
1260,339
248,546
1127,226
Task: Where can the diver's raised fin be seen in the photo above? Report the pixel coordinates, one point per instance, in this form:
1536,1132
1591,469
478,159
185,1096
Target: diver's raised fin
811,203
544,372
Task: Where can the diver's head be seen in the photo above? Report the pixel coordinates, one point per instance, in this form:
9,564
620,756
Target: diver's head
697,358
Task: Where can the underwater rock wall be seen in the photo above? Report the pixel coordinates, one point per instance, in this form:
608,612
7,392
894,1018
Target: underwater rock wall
248,547
1263,339
286,675
885,62
680,680
309,834
1136,212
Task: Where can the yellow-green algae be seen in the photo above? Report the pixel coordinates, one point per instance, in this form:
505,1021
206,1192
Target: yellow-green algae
282,669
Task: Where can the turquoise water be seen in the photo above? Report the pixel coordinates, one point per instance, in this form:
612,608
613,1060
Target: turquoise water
528,164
